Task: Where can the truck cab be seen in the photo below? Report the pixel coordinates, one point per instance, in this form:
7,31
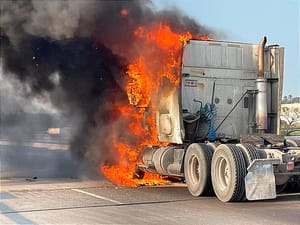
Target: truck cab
222,123
223,75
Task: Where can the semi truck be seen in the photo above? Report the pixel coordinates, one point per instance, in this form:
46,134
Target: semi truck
222,123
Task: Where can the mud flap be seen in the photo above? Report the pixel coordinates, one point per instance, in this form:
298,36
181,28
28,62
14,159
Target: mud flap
260,179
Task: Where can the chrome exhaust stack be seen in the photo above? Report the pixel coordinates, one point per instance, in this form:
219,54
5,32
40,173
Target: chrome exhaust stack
261,85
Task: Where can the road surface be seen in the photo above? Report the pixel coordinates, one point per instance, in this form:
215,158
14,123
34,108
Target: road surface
72,201
68,200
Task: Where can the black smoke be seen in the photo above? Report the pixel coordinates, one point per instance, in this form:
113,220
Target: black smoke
88,44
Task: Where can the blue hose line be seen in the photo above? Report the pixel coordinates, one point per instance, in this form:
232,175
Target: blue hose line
211,132
208,113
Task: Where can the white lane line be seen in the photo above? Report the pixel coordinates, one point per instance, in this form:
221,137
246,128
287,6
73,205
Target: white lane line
97,196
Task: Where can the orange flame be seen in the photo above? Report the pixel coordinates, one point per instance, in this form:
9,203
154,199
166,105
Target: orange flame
158,57
124,12
122,171
204,38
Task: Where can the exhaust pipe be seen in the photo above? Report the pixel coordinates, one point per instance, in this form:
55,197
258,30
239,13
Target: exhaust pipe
261,53
261,85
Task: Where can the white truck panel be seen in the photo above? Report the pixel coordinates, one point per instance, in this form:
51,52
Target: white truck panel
210,54
220,73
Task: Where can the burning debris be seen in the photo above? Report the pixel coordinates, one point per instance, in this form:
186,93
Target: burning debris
94,59
32,179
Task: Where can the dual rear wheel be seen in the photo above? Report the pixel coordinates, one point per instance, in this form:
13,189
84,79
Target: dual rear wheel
222,171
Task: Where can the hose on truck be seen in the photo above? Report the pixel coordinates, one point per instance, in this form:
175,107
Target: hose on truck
209,112
206,113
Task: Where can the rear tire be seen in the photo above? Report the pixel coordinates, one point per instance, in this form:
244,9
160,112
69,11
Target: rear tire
250,153
280,188
228,171
212,146
197,163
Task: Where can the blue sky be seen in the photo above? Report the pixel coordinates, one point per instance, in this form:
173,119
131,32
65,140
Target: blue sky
249,21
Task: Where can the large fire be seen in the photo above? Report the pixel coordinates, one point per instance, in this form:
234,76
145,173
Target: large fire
159,57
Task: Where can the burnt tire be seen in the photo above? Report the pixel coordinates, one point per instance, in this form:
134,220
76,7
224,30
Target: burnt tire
197,163
228,171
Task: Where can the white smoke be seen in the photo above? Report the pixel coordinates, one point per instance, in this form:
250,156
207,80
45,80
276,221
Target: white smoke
14,97
56,19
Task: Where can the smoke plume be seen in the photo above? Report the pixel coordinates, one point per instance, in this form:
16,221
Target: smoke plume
76,53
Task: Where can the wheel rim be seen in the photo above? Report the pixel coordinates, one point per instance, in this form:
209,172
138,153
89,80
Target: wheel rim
194,168
223,173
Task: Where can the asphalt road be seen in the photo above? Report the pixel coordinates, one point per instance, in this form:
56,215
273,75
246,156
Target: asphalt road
62,200
71,201
42,159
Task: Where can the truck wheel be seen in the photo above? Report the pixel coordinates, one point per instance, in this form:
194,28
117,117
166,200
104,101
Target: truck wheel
280,188
212,146
250,153
228,171
197,163
262,154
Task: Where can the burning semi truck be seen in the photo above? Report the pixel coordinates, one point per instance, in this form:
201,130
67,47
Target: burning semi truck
200,110
217,127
